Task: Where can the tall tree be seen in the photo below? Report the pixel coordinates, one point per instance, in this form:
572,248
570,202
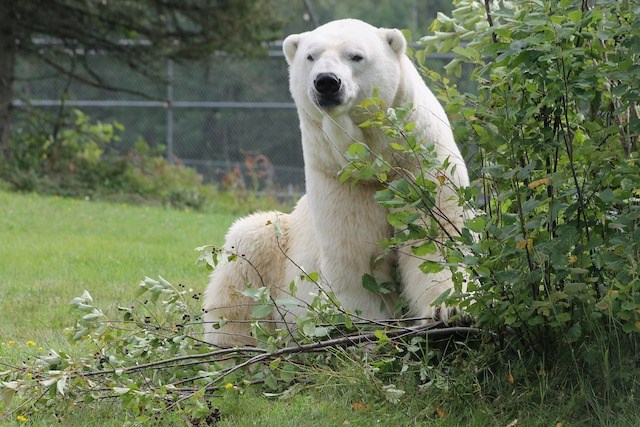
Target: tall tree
135,32
415,15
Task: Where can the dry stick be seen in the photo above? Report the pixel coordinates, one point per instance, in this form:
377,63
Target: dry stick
428,330
386,323
432,329
159,363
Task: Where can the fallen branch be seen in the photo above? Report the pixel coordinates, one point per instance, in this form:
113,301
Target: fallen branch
433,330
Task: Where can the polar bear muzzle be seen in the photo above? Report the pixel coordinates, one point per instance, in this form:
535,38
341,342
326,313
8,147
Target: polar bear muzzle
328,91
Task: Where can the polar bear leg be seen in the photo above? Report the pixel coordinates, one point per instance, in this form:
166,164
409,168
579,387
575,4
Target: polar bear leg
420,289
260,262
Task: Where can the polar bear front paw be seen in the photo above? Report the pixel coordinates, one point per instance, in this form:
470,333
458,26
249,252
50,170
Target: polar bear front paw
442,313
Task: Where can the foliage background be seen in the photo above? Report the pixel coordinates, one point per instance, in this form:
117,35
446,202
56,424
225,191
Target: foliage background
214,140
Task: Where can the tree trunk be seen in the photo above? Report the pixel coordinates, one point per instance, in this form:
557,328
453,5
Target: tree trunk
7,61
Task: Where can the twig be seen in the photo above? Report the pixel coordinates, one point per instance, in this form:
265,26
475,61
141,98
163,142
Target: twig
487,7
159,363
433,330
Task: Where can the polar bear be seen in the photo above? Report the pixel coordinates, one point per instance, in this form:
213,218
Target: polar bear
335,228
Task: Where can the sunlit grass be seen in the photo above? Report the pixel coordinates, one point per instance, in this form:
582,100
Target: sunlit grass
51,249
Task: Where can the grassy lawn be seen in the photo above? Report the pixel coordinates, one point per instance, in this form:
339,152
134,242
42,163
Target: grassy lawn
51,249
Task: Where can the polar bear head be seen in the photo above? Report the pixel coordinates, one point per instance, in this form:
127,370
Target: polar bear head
338,65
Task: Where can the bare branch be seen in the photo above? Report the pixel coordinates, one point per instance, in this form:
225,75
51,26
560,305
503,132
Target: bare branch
487,8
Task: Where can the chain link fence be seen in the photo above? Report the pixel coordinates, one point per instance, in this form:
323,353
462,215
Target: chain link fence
230,118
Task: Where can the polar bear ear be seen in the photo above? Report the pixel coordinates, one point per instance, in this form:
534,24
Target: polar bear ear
290,46
395,39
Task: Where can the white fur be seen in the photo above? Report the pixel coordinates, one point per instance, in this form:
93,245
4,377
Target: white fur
335,229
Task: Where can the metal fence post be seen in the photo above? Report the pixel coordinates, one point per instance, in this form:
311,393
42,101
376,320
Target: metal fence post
169,103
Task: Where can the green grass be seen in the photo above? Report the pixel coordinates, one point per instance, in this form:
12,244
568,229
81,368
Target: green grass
51,249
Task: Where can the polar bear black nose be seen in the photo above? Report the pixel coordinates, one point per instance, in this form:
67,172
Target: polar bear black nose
327,83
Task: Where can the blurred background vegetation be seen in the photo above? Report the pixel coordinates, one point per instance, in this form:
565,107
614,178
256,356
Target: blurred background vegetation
179,83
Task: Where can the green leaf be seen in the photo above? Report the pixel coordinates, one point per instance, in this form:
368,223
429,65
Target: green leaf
574,332
12,385
333,299
529,206
309,329
579,271
574,288
384,195
575,16
476,224
121,390
427,248
409,126
608,196
321,331
431,267
359,150
402,218
370,283
395,219
96,314
274,364
288,303
312,277
271,381
345,175
347,322
442,297
483,271
80,333
61,384
253,293
380,336
277,229
259,311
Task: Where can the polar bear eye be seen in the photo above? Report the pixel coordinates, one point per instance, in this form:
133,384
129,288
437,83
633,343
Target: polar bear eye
356,58
310,58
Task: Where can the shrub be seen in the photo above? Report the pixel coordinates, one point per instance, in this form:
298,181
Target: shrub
555,122
81,158
555,126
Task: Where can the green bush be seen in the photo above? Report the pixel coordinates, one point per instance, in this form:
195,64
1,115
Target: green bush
81,158
555,125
